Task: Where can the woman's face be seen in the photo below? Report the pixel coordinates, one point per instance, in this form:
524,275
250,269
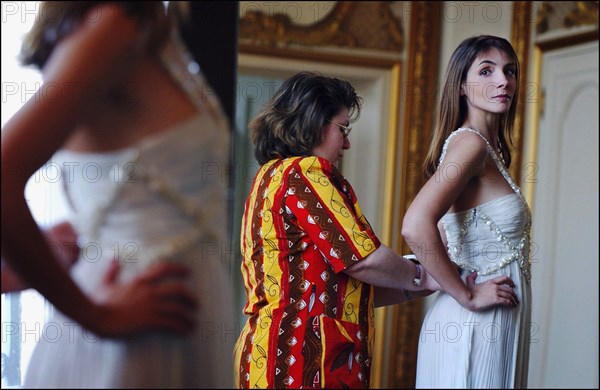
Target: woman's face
334,141
491,83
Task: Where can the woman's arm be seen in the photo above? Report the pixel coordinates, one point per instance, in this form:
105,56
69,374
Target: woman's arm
63,239
385,268
390,274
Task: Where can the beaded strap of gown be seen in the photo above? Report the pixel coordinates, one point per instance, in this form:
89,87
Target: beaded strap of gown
518,251
187,73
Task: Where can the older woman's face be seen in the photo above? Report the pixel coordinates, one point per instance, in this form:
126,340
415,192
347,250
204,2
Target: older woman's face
334,141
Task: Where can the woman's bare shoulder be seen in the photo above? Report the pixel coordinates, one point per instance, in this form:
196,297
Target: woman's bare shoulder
466,146
102,50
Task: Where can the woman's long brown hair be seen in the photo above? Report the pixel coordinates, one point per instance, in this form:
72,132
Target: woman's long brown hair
452,107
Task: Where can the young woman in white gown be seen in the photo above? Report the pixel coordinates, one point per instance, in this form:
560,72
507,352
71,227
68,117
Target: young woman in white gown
471,216
143,146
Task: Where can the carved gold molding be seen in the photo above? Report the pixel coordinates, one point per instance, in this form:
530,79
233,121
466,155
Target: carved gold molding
350,24
419,100
380,368
584,13
566,15
520,38
543,16
279,30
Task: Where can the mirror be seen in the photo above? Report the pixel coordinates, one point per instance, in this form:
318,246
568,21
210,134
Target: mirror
369,164
363,43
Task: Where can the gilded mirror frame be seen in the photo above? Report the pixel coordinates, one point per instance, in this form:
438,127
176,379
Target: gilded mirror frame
411,104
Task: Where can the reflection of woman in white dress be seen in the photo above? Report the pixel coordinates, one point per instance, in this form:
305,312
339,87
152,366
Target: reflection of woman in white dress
143,148
471,215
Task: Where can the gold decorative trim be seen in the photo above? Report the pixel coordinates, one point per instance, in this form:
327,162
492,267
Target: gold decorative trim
532,138
419,106
377,374
278,30
392,151
573,13
568,39
350,25
298,54
520,37
584,13
543,17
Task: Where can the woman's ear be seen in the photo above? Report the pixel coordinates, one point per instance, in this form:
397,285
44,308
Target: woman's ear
463,89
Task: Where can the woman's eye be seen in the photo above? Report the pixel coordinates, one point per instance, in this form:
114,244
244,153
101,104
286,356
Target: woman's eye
484,72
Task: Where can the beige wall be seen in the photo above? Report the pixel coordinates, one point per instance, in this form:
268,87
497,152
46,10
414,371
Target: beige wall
464,19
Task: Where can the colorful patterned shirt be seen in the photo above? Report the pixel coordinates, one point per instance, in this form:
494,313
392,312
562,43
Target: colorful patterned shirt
309,324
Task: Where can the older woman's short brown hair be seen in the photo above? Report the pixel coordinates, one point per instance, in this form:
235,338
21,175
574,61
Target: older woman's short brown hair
291,124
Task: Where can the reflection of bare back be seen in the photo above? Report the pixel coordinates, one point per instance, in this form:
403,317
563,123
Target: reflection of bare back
145,178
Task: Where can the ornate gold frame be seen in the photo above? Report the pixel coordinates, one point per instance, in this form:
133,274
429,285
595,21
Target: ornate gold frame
281,39
422,71
284,44
260,29
520,38
264,32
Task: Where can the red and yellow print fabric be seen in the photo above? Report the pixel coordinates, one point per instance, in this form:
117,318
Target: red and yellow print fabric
309,324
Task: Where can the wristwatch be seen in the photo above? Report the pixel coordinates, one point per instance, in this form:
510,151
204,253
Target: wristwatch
417,279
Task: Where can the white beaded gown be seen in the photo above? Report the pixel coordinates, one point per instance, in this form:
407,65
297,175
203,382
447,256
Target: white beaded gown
459,348
162,198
